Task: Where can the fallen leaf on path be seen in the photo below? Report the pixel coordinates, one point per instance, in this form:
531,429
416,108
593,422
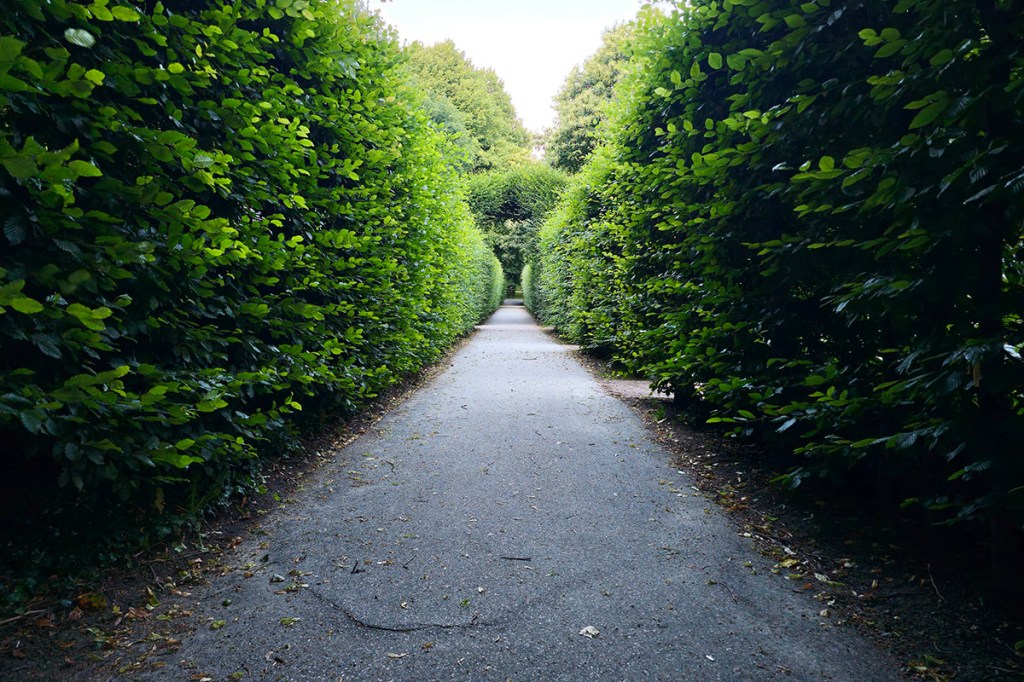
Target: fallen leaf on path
289,621
391,655
590,631
91,600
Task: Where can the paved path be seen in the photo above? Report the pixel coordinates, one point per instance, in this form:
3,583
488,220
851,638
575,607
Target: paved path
501,510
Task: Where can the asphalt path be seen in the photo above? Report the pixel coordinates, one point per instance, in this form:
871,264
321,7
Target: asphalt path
506,508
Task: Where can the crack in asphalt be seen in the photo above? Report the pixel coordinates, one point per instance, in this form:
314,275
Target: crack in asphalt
412,627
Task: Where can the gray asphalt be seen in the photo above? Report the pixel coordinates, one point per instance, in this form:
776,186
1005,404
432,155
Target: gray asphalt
505,507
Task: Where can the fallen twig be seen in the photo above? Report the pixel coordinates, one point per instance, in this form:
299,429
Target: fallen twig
19,617
929,567
516,558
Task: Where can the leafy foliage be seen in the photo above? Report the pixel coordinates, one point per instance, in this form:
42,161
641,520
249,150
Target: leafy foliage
509,206
583,98
222,223
807,223
465,98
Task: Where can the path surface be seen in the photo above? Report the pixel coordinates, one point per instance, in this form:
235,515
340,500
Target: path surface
502,509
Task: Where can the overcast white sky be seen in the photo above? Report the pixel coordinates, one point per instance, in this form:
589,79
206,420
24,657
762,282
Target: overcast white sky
531,44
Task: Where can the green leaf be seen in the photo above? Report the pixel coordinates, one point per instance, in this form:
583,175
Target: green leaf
889,49
14,230
91,319
10,48
928,114
47,344
27,305
715,60
31,421
202,160
84,169
941,57
122,13
20,167
211,405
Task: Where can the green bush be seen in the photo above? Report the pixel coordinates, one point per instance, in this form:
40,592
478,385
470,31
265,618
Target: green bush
531,292
222,224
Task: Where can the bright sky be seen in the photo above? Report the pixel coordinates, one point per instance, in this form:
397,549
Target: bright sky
531,44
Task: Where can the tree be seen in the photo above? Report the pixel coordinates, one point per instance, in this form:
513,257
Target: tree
583,98
496,135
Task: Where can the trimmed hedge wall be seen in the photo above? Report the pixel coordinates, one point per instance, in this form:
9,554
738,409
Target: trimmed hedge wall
222,223
807,223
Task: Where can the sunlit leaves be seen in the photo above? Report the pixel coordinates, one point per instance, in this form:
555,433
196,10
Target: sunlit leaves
80,37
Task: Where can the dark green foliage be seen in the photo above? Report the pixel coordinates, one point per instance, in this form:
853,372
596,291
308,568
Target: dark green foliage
509,206
215,216
813,212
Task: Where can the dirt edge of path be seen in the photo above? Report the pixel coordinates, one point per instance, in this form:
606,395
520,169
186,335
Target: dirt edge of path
932,619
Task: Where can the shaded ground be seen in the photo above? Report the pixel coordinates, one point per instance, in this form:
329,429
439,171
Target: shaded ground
483,530
916,590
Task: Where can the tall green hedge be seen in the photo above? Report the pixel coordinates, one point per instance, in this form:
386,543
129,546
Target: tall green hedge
810,219
221,222
509,206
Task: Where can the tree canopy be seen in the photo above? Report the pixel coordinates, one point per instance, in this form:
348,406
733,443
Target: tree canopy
582,101
470,101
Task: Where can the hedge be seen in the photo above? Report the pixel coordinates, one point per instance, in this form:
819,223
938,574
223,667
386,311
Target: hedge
509,205
809,228
223,224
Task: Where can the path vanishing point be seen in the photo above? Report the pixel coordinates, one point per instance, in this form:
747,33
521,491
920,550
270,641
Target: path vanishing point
510,521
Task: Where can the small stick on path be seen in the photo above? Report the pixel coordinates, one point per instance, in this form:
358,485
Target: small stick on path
932,578
516,558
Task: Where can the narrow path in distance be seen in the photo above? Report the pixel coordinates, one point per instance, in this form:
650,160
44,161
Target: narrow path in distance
507,506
